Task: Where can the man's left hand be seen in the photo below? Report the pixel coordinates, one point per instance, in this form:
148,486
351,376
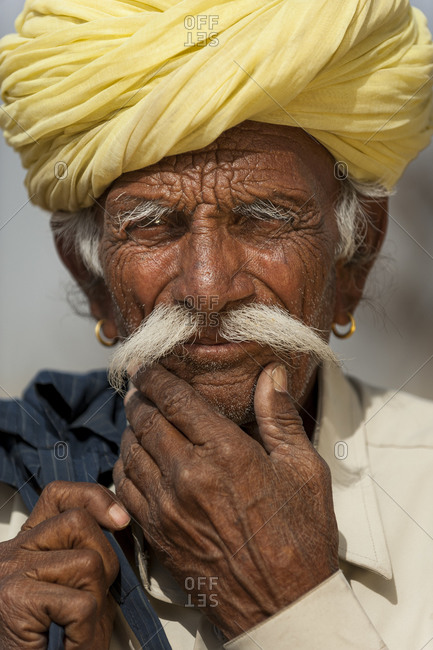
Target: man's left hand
245,528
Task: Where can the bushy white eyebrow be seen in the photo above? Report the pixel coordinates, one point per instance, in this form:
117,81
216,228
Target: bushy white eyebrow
264,210
147,209
151,211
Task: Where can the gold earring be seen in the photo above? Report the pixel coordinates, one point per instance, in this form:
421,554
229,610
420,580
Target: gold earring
107,342
350,331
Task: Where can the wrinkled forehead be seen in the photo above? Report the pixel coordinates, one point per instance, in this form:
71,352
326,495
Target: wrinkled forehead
250,161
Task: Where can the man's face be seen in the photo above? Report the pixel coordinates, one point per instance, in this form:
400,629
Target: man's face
213,258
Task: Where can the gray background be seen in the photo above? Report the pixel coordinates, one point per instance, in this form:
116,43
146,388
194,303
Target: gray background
393,345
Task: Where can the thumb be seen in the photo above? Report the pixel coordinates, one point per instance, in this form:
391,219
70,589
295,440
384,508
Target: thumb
59,496
280,425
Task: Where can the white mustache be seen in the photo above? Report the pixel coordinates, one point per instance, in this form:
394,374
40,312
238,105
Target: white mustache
169,326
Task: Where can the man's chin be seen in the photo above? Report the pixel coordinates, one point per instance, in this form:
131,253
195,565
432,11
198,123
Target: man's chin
229,390
237,412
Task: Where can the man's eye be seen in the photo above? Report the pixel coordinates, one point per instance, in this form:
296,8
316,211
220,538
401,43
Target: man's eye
149,230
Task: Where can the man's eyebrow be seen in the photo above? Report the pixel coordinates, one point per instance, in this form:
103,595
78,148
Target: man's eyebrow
152,210
149,209
266,210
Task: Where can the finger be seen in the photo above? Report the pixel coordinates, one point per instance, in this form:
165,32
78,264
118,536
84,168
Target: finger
137,503
78,569
137,460
36,604
156,435
280,425
70,530
181,405
128,493
97,500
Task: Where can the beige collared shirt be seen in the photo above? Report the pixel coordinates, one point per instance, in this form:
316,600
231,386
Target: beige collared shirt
379,446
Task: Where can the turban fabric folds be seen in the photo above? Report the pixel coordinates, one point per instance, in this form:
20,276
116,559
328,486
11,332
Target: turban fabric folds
94,89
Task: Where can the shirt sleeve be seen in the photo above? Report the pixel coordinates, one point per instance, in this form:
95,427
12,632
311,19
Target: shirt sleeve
329,617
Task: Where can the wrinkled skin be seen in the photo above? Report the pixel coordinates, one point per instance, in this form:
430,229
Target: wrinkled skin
214,502
216,464
255,513
226,259
59,568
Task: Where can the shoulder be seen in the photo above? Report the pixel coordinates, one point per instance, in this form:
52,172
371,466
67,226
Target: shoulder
59,402
64,392
394,417
67,426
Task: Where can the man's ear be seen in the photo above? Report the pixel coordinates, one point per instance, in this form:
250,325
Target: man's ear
352,275
100,303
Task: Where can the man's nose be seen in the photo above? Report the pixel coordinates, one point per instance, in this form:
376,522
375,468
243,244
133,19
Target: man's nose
212,272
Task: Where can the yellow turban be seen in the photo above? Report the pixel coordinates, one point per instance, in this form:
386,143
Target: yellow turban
96,88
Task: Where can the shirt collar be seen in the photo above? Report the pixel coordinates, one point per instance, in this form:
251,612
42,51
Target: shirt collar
340,439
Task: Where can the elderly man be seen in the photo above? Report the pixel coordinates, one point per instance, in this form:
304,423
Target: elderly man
195,159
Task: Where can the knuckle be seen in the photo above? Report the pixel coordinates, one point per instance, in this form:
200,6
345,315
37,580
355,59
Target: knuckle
11,589
289,420
190,482
85,605
319,475
113,565
25,527
179,401
122,483
147,418
53,490
285,427
226,450
118,473
264,419
185,475
186,483
119,477
91,564
34,573
321,468
78,519
131,456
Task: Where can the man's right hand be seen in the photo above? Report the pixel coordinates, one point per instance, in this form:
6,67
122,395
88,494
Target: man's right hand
59,569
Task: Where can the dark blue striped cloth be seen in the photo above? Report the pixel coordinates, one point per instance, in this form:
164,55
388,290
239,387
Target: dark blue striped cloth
68,427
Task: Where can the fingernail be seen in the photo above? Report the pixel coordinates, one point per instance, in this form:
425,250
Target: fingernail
119,515
279,378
